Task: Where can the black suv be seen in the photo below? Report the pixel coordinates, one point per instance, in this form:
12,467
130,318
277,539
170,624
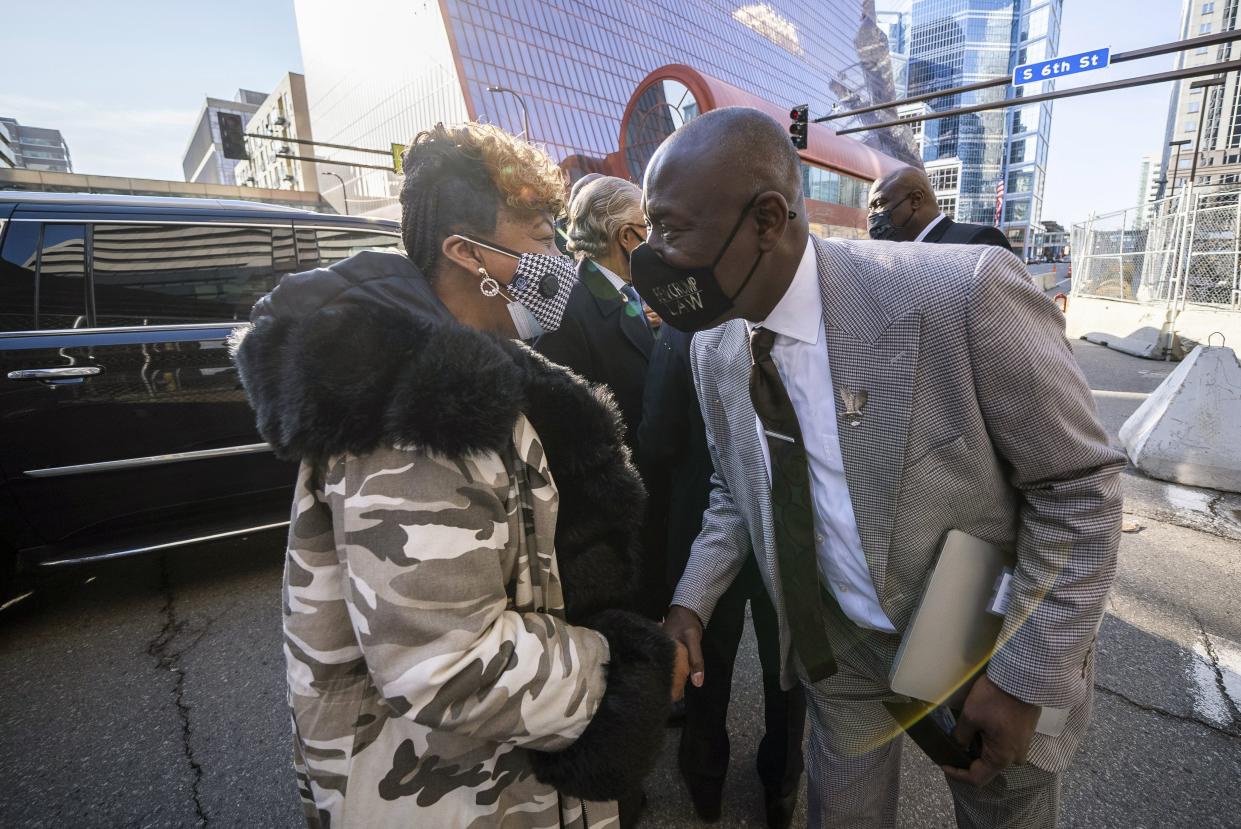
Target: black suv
123,425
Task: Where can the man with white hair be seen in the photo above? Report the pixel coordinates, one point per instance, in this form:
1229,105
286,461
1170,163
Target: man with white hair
605,336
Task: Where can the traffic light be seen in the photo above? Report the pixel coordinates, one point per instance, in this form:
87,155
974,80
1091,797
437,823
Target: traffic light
232,135
800,116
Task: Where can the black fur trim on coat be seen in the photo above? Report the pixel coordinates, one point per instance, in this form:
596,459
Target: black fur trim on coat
362,355
622,742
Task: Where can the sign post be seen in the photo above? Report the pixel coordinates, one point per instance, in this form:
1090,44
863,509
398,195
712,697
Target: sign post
1048,70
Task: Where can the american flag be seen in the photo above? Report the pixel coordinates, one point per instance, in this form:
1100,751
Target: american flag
999,201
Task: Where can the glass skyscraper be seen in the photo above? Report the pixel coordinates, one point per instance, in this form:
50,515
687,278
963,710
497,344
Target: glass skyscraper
940,44
378,71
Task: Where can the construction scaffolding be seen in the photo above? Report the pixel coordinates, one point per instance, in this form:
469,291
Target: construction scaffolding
1178,259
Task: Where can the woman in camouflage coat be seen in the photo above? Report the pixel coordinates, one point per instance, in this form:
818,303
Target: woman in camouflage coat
463,526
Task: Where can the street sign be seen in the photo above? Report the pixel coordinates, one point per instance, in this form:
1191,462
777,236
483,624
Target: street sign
398,150
1059,67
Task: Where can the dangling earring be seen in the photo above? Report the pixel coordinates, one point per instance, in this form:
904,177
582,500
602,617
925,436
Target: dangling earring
488,286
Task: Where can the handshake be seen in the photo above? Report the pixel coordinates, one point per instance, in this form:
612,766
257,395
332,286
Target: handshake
685,628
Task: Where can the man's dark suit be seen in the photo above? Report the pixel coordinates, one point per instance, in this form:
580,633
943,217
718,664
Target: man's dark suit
672,449
606,340
948,232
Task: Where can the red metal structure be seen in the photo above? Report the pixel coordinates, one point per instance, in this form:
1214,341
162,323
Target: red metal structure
838,170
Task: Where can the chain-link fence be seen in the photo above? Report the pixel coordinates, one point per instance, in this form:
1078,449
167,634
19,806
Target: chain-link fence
1182,250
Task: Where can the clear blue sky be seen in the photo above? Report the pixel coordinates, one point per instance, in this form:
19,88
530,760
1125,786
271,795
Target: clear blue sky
125,80
1097,141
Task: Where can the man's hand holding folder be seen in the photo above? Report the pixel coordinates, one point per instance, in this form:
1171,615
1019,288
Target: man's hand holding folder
1005,725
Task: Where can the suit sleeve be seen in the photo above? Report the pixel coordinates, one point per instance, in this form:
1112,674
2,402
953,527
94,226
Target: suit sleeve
723,545
988,235
420,537
1042,420
666,402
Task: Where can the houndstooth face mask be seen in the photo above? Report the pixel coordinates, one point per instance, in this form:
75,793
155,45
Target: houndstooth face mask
539,290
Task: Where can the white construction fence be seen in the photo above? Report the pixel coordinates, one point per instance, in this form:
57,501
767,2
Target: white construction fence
1159,279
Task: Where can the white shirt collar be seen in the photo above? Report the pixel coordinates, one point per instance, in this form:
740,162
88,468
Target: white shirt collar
799,313
930,227
617,282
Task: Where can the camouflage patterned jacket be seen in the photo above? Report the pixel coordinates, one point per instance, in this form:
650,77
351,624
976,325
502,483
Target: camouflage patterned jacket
463,528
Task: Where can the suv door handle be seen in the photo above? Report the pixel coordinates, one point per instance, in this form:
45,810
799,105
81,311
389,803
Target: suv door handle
66,373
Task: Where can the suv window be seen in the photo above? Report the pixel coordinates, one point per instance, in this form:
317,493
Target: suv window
61,299
177,274
319,247
43,277
17,276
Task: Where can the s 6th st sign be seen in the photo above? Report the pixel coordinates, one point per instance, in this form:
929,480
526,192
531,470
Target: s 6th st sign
1059,67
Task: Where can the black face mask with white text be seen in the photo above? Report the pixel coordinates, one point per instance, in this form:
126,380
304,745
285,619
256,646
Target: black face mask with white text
688,299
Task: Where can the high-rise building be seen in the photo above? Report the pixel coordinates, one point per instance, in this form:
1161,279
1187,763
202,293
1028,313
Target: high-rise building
34,148
204,160
586,79
284,116
8,157
1217,107
941,44
1150,175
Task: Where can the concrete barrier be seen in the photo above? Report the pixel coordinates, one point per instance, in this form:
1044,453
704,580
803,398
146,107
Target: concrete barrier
1130,327
1189,429
1142,330
1046,275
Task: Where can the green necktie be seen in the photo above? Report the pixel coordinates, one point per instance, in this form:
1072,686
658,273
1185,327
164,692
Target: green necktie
792,511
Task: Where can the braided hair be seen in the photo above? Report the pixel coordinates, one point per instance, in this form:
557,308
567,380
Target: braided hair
457,179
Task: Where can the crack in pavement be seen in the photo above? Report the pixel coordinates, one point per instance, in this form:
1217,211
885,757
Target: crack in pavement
1163,712
1209,646
166,658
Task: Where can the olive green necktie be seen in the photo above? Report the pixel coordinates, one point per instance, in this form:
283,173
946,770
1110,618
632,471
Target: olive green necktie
792,511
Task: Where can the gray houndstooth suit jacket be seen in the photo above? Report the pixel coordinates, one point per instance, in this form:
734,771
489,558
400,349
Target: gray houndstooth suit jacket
976,418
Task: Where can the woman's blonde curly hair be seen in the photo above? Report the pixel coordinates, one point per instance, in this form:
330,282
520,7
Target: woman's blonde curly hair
524,174
457,177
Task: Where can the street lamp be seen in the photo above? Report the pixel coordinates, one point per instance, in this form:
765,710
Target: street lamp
525,113
1202,84
1176,168
343,191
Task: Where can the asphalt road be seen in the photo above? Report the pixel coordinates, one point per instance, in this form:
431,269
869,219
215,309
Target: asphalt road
149,693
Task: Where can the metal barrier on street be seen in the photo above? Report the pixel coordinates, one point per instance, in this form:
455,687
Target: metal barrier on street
1175,257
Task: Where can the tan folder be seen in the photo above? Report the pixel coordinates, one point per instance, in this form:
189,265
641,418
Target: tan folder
955,629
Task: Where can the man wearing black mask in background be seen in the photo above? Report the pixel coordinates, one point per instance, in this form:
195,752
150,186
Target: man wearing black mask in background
902,208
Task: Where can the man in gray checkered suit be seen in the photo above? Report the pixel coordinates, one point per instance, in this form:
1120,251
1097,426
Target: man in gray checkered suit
861,399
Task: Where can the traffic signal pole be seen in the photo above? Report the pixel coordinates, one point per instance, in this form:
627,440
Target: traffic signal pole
1005,103
394,152
282,139
311,158
1120,57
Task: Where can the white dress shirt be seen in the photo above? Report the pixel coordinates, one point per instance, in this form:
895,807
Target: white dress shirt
930,227
618,283
800,354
